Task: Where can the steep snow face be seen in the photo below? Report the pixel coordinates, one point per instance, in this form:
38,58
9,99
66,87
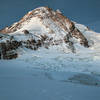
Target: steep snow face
92,37
33,26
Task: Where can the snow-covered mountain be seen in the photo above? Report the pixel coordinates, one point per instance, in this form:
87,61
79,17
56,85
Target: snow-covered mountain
49,52
46,28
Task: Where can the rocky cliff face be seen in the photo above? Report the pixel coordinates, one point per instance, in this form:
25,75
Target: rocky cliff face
40,27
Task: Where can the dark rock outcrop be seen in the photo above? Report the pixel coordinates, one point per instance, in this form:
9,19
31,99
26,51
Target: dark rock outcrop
8,48
25,32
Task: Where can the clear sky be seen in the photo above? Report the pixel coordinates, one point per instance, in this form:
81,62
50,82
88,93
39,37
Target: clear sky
82,11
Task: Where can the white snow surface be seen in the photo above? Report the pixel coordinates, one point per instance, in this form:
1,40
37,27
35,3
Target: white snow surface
59,57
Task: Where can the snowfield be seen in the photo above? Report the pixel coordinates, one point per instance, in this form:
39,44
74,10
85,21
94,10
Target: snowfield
19,80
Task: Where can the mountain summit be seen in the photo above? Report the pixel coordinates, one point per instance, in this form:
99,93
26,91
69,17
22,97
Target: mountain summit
48,22
43,27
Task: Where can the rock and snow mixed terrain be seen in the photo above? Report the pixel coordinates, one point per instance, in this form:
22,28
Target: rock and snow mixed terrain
48,48
41,27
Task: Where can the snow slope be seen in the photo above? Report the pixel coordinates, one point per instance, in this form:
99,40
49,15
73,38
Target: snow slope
18,82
